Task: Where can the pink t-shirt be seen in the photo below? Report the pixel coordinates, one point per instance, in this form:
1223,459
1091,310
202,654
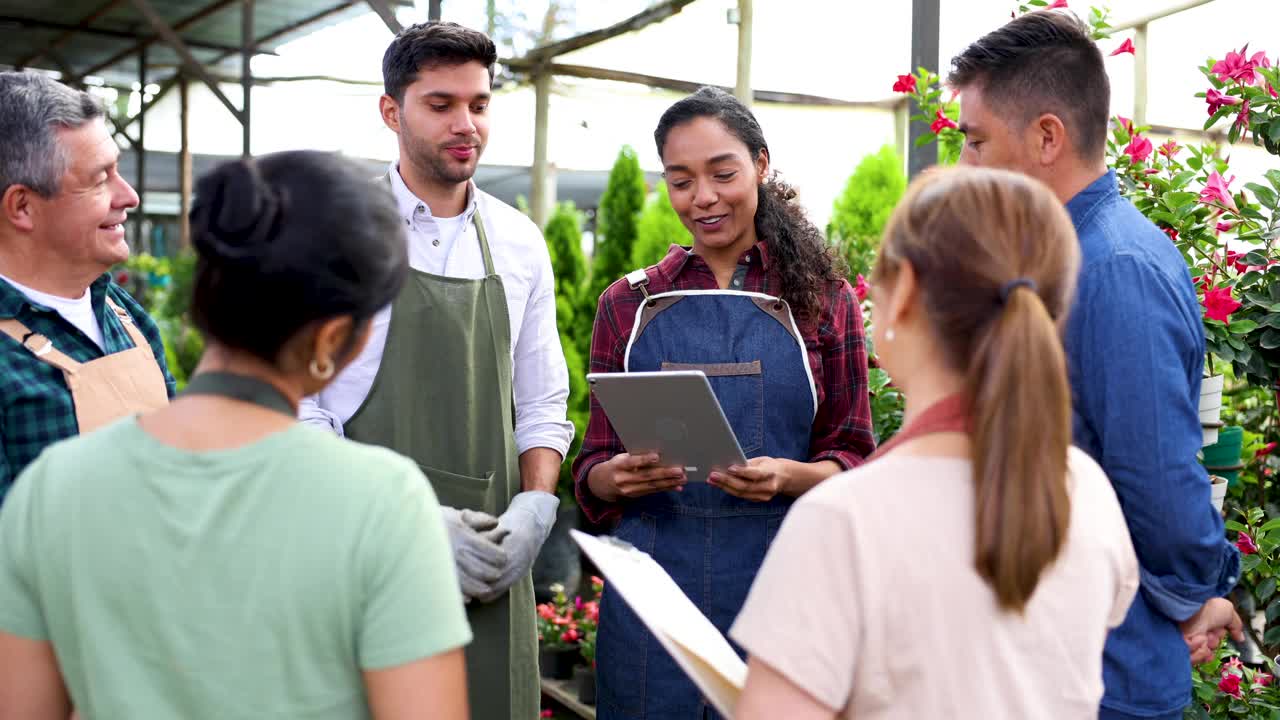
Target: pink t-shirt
869,600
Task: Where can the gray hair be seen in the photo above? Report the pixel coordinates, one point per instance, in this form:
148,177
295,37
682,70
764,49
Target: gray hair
33,107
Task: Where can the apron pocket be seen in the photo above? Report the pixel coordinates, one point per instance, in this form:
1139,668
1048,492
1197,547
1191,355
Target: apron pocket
461,491
739,388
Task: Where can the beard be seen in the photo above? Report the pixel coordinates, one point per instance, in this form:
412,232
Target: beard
436,164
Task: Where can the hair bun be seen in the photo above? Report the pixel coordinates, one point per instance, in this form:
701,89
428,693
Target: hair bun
236,212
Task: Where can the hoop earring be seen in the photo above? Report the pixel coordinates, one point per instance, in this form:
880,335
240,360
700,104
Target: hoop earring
888,335
321,372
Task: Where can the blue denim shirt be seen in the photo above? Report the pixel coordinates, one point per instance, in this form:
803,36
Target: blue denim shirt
1135,348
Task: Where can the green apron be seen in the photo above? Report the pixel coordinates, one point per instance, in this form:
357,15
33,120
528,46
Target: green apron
442,397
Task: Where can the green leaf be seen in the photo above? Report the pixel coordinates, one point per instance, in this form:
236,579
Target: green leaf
1242,326
925,139
1266,196
1273,176
1274,133
1177,200
1269,526
1273,611
1255,258
1266,589
1272,320
1270,339
1273,634
1214,118
1230,524
1181,179
1195,163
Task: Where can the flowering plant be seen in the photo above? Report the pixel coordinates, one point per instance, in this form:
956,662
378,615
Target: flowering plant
1227,688
558,627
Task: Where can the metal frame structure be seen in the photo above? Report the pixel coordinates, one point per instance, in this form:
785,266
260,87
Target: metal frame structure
134,29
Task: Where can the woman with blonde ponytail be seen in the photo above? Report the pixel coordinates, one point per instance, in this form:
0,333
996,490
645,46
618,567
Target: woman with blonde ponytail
973,568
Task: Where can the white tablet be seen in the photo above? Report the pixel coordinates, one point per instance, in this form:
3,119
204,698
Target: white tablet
673,413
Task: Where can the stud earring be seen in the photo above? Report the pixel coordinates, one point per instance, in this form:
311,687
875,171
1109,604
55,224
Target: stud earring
321,371
888,335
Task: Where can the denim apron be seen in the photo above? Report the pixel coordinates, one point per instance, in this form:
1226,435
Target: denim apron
710,542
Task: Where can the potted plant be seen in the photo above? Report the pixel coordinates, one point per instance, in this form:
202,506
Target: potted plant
558,636
584,676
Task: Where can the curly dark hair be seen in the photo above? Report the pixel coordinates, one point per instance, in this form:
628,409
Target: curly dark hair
805,265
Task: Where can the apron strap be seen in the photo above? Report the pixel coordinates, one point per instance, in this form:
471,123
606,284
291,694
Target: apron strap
139,340
950,414
484,241
241,387
39,346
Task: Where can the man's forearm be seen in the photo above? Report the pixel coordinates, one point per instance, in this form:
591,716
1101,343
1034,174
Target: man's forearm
540,469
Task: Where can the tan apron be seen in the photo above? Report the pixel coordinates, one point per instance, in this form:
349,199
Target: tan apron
109,387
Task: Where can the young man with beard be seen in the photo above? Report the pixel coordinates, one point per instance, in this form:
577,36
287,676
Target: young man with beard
464,372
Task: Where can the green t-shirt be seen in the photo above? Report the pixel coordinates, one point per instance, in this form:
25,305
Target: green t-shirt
255,582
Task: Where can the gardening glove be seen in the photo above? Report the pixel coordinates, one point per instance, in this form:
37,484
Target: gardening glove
526,524
478,558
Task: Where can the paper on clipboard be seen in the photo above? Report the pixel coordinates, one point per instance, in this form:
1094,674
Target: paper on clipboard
697,646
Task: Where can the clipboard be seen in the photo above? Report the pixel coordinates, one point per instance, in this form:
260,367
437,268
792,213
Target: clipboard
700,650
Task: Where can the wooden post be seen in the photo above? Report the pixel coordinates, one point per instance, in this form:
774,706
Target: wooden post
491,18
139,232
539,175
1140,75
184,164
924,53
433,10
246,75
742,89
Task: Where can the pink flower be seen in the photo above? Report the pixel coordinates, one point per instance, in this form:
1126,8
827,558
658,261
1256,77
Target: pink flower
569,636
1218,304
1235,258
546,612
1222,227
1236,67
577,603
1057,4
1125,47
1138,149
1125,123
1170,148
597,582
1246,545
1231,664
861,288
1263,679
1173,234
1265,450
1230,685
905,84
546,714
1243,118
1217,99
1217,190
942,121
1272,90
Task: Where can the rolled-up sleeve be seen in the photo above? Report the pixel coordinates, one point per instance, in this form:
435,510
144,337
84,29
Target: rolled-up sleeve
842,427
1134,353
541,377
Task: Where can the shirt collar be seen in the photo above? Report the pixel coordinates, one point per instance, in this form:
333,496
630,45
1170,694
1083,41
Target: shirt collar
407,203
678,256
1084,201
12,299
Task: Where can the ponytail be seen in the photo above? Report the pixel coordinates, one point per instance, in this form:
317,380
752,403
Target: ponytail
1021,434
995,256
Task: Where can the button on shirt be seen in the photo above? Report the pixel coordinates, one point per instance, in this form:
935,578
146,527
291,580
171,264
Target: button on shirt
1135,349
451,247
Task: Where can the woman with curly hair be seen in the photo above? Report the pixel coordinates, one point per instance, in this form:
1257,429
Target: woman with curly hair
759,305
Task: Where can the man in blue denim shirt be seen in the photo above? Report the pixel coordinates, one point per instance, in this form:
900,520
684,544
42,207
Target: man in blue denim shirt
1035,98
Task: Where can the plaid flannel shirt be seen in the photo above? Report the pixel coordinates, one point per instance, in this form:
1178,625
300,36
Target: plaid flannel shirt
36,409
836,348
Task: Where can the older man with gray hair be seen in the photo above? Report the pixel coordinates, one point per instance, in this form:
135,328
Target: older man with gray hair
76,351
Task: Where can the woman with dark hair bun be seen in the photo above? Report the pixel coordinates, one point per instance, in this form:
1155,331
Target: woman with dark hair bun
216,558
759,304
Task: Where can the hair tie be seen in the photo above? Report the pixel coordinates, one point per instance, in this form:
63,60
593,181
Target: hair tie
1008,288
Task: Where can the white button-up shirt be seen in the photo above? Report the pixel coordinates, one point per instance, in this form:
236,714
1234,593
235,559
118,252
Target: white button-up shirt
451,247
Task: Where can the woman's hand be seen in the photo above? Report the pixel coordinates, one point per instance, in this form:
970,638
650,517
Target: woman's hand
628,476
759,480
